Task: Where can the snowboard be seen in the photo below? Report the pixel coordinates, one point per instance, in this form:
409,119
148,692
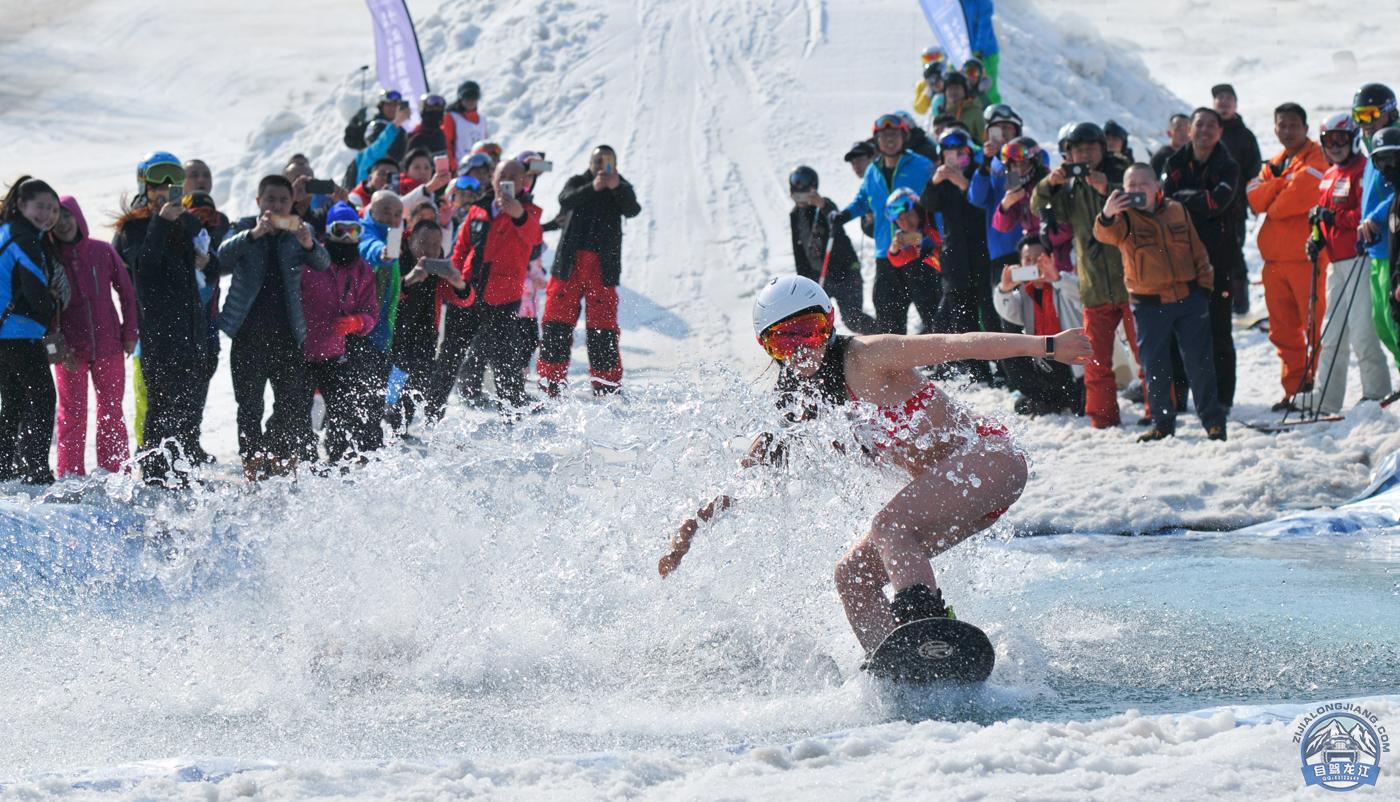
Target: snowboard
933,650
1277,427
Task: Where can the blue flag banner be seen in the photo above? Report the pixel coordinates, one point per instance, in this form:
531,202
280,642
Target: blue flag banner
946,19
399,62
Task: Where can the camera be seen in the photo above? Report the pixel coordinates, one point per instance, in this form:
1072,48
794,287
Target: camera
1076,169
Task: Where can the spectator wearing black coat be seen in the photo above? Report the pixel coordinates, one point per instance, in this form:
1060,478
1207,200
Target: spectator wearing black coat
837,270
1205,179
1243,147
587,269
965,264
428,135
156,240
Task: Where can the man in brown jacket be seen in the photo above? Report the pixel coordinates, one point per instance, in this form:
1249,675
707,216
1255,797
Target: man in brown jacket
1169,281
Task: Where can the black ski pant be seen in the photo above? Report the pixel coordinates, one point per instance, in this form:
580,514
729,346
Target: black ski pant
897,287
27,407
494,330
173,380
256,360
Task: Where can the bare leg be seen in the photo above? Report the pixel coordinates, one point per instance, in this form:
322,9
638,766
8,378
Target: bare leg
861,579
943,506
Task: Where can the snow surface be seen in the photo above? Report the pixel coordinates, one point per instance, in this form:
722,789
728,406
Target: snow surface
352,638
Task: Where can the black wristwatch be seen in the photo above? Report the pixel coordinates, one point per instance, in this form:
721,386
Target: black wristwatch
1049,346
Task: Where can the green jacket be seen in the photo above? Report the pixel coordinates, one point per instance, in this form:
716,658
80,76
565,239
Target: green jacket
1099,266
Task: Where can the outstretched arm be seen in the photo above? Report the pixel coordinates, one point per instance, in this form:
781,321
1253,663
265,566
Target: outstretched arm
765,450
893,352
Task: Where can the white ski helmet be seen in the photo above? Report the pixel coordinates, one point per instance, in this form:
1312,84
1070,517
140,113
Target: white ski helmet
785,296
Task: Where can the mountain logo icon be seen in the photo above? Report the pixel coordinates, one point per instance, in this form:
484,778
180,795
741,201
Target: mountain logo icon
1341,751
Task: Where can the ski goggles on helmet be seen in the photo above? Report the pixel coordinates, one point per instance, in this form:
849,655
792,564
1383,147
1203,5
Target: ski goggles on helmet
808,330
165,173
476,161
1018,152
345,230
887,122
434,102
898,204
954,139
800,185
1337,139
391,96
465,183
1370,114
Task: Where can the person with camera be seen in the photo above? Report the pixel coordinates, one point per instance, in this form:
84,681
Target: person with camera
416,324
463,125
1074,192
97,339
587,269
383,175
825,254
1351,327
492,254
1035,298
992,181
1283,193
158,239
1168,275
381,246
264,316
896,168
1205,179
28,307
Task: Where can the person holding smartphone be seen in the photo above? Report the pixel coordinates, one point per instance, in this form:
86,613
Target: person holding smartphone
587,269
1169,278
264,316
1036,298
156,239
830,262
492,253
1077,201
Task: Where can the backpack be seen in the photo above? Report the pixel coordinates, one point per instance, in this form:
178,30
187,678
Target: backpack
355,130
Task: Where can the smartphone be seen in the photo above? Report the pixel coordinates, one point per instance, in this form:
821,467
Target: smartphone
320,186
1076,169
393,184
176,194
541,166
1021,275
1136,200
610,166
508,189
286,222
1017,180
439,267
440,162
393,243
994,136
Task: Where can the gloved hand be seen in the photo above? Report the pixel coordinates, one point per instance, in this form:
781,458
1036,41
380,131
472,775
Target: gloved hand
1275,168
349,324
1321,214
839,219
1314,247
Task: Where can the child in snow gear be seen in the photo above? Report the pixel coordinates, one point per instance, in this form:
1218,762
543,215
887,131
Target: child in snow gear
28,307
97,339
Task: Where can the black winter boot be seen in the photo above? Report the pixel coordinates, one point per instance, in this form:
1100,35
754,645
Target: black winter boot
916,603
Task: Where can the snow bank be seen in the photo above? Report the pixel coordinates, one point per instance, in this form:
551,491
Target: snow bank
1224,754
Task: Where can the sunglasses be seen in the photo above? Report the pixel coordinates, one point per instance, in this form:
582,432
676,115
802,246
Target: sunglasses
1386,161
887,122
345,231
809,330
1018,152
1337,139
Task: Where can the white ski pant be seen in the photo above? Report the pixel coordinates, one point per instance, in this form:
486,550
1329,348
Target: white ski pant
1348,322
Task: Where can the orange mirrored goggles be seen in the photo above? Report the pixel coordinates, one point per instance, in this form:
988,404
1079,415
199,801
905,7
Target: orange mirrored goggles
1368,114
809,330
